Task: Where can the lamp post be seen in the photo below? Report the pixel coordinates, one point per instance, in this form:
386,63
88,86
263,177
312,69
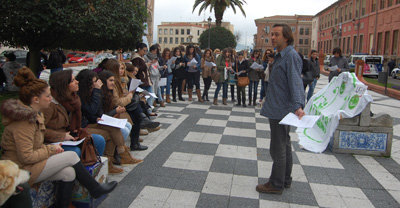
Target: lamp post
209,31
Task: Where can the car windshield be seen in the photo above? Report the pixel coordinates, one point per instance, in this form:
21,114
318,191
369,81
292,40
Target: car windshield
80,55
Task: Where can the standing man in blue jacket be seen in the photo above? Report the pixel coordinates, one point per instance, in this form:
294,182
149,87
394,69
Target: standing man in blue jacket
285,94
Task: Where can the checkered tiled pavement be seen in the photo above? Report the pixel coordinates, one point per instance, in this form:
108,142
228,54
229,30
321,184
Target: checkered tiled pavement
214,156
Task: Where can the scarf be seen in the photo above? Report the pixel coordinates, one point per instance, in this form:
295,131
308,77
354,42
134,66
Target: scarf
73,106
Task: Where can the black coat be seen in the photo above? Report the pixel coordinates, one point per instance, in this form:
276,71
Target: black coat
94,109
179,71
243,66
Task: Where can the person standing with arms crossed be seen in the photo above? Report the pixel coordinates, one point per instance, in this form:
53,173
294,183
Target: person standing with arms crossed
285,94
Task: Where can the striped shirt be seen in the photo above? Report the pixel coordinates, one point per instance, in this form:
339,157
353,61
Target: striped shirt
285,92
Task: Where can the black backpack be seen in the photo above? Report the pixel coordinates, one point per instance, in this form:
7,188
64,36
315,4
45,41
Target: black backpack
306,72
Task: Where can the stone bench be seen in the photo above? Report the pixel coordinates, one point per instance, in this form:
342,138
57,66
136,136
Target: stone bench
364,135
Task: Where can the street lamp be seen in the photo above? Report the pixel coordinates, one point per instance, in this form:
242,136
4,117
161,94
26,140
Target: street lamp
209,31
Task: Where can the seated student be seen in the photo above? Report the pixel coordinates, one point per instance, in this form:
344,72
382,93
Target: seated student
64,117
22,142
92,110
129,100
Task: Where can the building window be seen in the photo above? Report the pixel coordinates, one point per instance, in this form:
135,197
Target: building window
397,1
182,31
355,44
363,6
379,44
373,7
301,31
345,13
176,40
266,40
344,45
176,32
350,10
165,40
395,43
188,32
300,41
182,40
293,29
160,31
160,40
267,29
198,32
360,48
171,40
348,45
390,3
387,42
165,31
341,14
305,52
307,31
382,4
171,31
306,41
187,39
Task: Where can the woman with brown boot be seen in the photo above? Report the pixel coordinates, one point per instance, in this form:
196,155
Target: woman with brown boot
193,69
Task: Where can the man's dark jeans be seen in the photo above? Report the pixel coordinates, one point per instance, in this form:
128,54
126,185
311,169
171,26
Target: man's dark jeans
281,153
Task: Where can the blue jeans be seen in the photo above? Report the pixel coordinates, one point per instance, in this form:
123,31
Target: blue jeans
253,86
311,89
150,101
56,70
159,94
126,131
224,90
168,87
99,144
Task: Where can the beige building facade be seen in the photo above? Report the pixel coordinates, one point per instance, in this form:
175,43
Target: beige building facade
301,26
172,34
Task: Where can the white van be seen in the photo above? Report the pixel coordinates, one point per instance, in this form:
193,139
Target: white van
373,64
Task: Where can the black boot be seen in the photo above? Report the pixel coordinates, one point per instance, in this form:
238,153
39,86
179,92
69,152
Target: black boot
95,189
117,158
63,194
135,144
148,124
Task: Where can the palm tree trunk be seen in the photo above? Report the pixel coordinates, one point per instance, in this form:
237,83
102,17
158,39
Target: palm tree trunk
219,13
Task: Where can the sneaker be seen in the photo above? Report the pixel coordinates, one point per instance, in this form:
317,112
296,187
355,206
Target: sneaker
268,188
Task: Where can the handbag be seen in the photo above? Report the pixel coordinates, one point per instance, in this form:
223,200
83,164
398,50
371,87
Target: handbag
242,81
215,76
89,155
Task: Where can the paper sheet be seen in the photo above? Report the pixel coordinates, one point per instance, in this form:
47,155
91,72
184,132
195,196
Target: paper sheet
70,143
209,64
134,84
193,62
139,90
162,82
333,68
255,65
111,121
172,59
305,122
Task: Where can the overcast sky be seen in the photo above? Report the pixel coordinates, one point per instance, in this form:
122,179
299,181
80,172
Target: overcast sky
181,11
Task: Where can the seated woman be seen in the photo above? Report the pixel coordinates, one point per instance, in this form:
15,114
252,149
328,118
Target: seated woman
23,137
64,115
129,100
92,109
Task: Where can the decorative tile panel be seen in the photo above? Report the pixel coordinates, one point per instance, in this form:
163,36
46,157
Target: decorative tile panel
363,140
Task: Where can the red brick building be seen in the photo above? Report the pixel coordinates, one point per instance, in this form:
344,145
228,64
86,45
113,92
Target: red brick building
360,26
301,26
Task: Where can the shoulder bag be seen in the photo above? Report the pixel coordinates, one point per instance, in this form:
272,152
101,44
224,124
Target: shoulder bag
89,155
242,81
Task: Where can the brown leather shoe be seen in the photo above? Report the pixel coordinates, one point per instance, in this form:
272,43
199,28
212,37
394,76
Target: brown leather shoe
268,188
162,104
143,132
112,169
154,129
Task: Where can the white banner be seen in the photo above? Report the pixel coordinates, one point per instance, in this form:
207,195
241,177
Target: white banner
344,97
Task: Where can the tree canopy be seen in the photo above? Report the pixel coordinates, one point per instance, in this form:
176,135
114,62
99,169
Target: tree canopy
219,7
72,24
220,38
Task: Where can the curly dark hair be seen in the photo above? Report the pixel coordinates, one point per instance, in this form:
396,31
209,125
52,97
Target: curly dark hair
107,93
85,78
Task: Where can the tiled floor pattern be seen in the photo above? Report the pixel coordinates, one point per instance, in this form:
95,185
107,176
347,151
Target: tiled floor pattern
214,156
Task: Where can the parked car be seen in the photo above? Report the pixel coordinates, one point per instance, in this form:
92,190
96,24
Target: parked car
81,58
395,73
20,56
373,64
100,57
74,53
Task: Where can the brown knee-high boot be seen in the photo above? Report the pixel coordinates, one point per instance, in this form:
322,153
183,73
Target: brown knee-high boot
190,91
168,99
199,96
215,101
224,101
183,86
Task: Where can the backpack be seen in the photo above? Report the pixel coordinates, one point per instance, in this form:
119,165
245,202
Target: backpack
306,72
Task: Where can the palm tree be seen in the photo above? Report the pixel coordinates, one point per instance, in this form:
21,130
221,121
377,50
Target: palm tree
219,7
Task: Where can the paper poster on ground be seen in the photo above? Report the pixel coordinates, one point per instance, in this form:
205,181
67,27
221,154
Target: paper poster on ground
344,97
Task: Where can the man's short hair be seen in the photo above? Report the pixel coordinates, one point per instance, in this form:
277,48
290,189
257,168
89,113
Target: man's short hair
286,32
337,50
313,51
140,46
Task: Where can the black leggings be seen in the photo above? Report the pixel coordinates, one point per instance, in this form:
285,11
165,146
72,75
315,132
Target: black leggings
207,84
193,78
177,83
136,116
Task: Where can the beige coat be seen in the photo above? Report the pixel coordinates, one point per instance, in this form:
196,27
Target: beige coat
23,137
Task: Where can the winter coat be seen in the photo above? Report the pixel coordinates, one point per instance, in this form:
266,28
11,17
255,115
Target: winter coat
56,121
23,137
220,62
143,73
244,65
10,69
253,73
177,70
